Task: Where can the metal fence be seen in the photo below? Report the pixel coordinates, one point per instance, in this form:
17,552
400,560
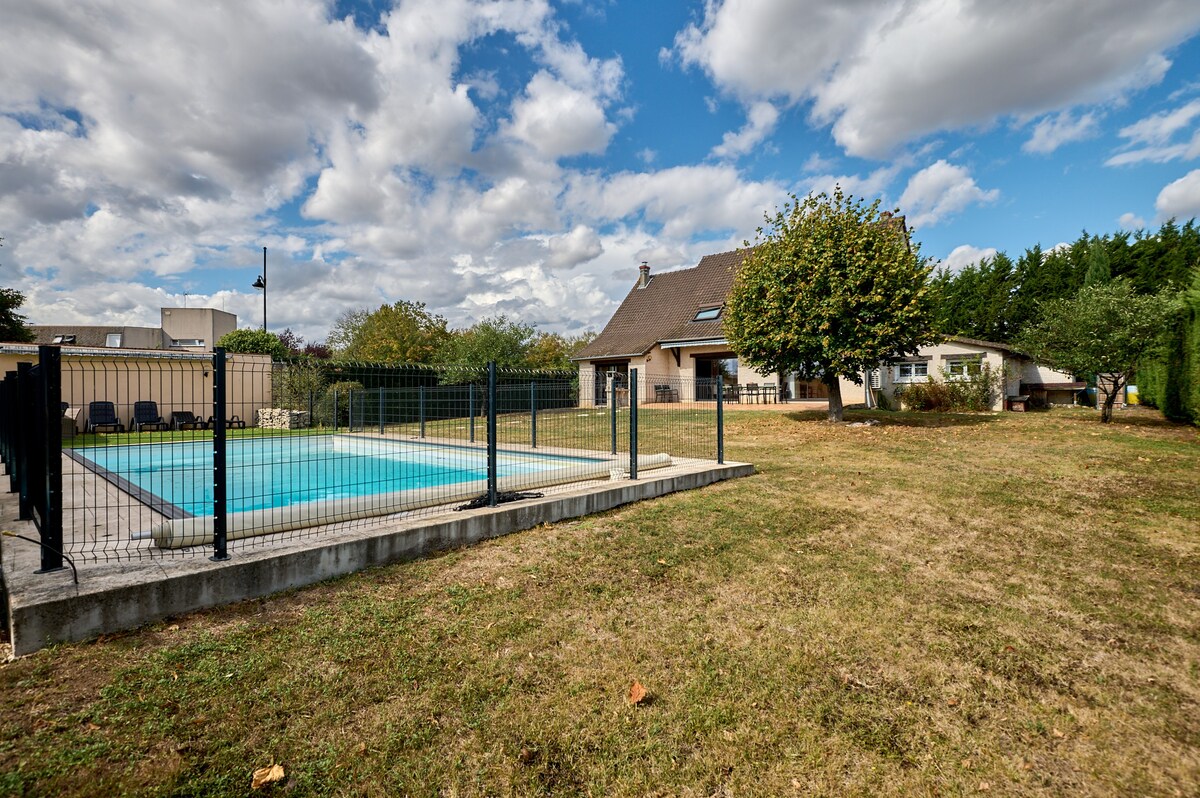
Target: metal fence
184,454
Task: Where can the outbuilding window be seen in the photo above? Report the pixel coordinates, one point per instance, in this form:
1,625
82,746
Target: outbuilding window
912,372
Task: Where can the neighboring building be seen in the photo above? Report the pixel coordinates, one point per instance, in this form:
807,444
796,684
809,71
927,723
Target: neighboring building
669,327
180,329
960,357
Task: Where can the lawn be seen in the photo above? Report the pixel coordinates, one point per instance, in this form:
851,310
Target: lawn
940,604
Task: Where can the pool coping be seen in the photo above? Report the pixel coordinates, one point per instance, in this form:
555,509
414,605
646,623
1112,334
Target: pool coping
43,609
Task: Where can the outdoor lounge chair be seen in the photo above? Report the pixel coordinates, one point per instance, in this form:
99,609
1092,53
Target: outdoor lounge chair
186,419
145,414
102,417
665,393
233,422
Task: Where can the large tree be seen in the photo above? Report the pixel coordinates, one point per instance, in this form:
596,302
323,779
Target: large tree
12,324
466,353
405,332
831,288
1106,329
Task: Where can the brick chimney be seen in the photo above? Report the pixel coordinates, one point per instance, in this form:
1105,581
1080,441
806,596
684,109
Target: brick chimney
643,275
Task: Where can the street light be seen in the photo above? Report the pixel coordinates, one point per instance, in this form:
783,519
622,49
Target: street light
261,284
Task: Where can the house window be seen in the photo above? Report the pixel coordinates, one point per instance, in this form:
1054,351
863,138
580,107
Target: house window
113,340
963,368
912,372
188,342
707,314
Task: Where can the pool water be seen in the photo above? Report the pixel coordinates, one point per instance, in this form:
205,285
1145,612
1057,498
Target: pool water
177,478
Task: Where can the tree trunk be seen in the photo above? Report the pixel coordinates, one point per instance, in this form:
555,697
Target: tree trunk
1110,398
835,396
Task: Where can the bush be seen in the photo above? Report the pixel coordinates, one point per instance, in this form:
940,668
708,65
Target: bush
975,392
340,390
296,381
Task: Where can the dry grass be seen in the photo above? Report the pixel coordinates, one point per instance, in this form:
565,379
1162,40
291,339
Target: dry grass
941,604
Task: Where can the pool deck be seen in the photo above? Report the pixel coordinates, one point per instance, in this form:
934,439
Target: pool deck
115,595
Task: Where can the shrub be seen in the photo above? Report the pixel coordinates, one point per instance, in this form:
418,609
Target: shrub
974,392
325,407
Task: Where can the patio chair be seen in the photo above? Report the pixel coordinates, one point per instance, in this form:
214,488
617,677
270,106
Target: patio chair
233,422
102,417
733,393
145,414
186,419
665,393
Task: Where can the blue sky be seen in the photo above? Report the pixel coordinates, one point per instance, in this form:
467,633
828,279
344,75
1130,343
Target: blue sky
523,156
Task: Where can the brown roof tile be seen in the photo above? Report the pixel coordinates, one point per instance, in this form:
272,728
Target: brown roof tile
664,309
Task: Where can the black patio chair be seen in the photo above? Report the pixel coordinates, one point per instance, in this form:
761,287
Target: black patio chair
102,417
146,415
233,422
186,419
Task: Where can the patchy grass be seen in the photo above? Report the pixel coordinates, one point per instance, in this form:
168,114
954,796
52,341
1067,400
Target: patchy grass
941,604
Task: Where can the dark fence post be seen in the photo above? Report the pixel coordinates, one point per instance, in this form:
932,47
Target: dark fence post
25,409
350,410
471,408
335,410
220,542
633,423
492,477
611,387
312,421
49,394
421,407
380,409
533,415
721,421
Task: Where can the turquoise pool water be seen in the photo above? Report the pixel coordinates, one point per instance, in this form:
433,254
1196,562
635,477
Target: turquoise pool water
176,478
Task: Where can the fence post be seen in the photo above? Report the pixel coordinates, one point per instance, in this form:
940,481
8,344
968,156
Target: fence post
50,397
421,407
633,423
721,421
335,410
220,542
312,421
380,409
492,478
25,408
350,410
611,384
471,408
533,415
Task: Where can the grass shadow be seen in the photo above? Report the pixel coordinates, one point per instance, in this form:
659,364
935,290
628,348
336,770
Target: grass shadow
900,418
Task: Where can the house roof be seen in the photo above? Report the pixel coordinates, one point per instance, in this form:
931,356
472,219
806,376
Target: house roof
989,344
85,335
663,309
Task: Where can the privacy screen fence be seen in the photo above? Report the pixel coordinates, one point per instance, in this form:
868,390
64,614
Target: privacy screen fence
180,454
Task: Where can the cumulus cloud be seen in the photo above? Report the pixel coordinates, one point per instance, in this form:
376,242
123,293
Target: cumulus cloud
557,120
1180,199
941,190
966,255
761,119
1131,221
1156,138
1051,132
883,73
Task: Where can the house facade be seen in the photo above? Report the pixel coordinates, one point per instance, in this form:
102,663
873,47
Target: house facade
670,328
180,329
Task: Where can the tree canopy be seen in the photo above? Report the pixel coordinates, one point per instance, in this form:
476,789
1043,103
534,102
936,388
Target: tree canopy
831,288
12,324
254,342
466,353
1105,329
404,332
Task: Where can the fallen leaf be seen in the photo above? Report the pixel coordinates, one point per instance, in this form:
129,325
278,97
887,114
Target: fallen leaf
951,702
966,763
662,562
637,693
264,776
1057,733
362,748
984,786
173,627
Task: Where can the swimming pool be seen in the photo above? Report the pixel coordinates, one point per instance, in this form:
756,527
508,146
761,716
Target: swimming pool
272,472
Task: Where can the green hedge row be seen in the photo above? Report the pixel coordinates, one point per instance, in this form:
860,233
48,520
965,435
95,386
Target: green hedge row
1172,382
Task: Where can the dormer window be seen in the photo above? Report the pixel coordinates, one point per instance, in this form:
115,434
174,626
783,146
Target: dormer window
113,340
707,314
63,339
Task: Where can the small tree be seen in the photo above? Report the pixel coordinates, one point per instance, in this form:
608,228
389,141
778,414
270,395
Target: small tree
465,353
12,323
831,289
1106,329
254,342
405,332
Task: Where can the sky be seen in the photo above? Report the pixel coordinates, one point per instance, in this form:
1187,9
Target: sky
522,157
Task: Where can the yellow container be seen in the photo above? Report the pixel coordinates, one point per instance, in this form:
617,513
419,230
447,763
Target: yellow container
1131,395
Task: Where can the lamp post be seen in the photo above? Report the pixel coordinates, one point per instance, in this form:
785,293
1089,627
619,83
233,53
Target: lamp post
261,283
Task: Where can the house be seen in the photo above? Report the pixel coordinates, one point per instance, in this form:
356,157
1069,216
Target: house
180,329
959,357
669,327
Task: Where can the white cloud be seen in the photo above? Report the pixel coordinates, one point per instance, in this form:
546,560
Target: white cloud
1131,221
1154,137
1180,199
1051,132
557,120
941,190
966,255
884,73
761,119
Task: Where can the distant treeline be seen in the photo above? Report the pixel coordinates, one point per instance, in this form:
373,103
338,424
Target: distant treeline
996,298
